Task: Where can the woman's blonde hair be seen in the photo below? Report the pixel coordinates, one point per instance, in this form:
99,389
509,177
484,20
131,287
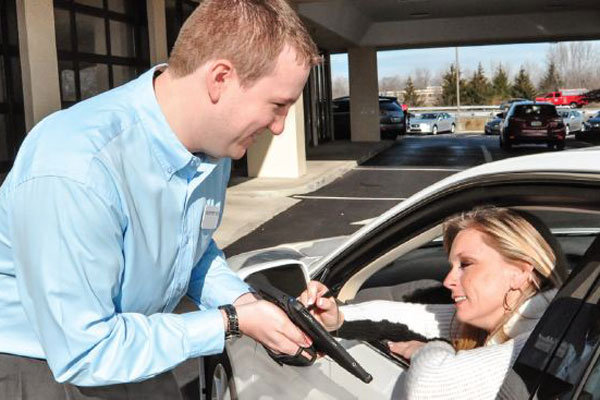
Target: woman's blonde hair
518,237
249,33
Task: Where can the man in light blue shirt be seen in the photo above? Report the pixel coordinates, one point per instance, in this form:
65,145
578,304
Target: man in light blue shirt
106,218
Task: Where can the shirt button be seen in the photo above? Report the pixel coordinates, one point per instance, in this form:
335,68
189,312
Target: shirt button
170,170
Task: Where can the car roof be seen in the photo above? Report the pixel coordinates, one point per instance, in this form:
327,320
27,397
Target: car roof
564,162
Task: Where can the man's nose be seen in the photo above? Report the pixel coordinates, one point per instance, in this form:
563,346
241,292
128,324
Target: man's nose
277,125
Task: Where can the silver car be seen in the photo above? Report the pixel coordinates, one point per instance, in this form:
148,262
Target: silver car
433,123
572,119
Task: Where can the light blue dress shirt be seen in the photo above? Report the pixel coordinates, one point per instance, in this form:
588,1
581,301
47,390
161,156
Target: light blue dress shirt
101,235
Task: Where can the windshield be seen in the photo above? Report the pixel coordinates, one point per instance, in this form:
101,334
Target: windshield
428,116
530,110
390,106
564,114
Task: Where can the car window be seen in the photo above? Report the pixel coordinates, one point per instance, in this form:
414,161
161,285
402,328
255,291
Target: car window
529,110
428,116
419,273
564,114
341,106
591,389
390,106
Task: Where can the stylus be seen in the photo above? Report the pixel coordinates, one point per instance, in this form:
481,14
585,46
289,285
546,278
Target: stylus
327,294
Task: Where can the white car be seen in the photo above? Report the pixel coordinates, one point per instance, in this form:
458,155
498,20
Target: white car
401,250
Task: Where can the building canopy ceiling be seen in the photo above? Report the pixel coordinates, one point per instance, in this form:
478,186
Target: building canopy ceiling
337,25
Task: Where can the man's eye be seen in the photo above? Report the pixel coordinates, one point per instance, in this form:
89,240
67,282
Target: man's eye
465,264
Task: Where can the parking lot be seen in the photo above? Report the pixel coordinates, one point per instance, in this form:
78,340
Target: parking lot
411,164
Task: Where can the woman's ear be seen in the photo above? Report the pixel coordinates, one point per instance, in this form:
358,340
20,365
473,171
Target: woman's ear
219,75
521,275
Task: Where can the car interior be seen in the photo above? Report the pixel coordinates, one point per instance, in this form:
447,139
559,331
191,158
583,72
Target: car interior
414,272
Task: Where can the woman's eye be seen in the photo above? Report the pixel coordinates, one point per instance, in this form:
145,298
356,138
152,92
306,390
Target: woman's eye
465,264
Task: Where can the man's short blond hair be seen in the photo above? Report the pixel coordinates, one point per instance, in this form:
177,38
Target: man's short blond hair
249,33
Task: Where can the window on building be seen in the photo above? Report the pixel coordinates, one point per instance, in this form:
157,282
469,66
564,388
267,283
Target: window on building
101,44
177,12
12,118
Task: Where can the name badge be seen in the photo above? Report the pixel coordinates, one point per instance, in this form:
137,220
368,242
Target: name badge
210,219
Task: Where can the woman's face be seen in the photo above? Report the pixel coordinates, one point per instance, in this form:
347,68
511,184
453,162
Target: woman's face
479,278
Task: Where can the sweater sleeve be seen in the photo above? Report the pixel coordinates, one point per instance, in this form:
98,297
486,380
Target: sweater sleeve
437,371
430,320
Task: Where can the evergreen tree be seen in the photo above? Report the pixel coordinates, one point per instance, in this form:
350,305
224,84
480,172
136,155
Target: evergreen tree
477,91
522,86
551,80
449,87
410,94
501,89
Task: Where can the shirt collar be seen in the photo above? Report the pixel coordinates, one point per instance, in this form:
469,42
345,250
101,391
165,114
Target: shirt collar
171,153
526,317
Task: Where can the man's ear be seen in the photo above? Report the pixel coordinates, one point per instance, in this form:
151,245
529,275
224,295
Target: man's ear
521,274
219,74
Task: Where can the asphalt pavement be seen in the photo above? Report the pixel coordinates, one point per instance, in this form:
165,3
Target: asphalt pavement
377,184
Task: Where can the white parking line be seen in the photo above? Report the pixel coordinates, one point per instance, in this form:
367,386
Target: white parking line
486,154
308,197
408,169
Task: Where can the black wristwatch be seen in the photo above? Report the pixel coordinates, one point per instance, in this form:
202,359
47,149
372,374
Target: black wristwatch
233,325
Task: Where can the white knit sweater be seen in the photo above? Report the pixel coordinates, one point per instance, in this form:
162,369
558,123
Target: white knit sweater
437,371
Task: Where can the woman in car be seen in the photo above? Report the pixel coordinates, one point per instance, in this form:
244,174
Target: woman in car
503,274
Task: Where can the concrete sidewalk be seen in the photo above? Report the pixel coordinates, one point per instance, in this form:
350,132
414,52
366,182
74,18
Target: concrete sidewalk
252,202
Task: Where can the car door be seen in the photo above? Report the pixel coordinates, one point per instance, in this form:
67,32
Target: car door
559,360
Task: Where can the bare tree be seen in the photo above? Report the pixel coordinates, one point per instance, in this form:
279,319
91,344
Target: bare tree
577,63
390,84
422,77
339,87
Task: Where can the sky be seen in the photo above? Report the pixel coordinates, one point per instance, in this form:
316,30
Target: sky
404,62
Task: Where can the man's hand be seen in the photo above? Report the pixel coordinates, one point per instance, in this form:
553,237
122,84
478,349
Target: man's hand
324,309
268,324
405,349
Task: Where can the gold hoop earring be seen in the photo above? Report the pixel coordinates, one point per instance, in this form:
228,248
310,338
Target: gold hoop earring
507,307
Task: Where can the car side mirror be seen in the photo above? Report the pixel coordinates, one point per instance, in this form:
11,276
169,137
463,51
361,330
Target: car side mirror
289,276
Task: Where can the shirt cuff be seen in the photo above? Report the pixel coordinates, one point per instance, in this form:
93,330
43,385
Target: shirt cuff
232,290
205,332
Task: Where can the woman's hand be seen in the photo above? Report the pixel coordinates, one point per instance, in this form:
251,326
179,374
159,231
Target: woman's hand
324,309
405,349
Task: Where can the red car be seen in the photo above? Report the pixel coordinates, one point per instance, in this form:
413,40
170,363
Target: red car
572,98
531,122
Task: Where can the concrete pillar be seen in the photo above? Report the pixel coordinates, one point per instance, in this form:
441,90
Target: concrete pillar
282,156
157,31
364,94
39,62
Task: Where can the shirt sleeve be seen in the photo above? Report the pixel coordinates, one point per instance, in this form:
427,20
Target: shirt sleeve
213,283
430,320
437,371
68,252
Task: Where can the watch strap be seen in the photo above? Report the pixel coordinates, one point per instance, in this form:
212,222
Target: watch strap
233,325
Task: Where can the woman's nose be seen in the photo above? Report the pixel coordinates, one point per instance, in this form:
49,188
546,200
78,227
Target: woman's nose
451,279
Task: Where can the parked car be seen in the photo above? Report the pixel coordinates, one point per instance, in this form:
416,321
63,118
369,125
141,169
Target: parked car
566,97
531,122
572,119
492,127
504,106
433,123
392,117
402,248
590,129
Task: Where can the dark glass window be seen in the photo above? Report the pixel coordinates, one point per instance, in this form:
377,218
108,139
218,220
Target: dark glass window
177,12
101,44
12,117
